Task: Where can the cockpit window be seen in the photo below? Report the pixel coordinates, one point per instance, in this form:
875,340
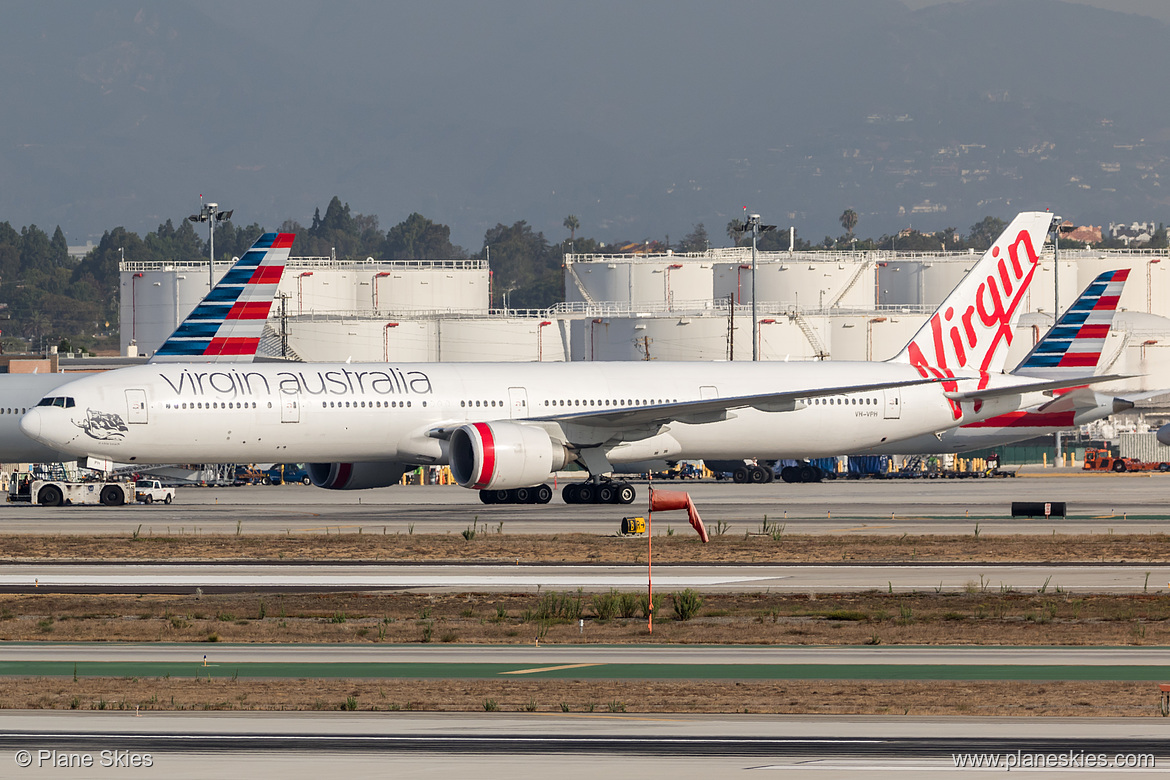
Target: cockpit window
63,401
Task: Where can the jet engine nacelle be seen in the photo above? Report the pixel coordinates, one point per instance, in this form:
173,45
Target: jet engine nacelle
355,476
503,455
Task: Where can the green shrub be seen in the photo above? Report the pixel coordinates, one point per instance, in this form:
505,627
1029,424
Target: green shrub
686,604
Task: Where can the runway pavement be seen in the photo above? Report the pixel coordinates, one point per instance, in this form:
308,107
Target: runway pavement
1097,503
497,745
186,577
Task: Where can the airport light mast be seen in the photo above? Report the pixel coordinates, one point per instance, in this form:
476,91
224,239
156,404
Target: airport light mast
752,225
210,213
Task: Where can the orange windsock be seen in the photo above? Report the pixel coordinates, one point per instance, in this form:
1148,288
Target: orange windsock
662,500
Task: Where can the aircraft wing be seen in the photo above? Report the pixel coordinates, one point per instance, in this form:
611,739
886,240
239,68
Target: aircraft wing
712,409
1032,387
701,411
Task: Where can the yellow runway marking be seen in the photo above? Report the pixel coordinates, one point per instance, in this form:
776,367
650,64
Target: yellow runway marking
550,668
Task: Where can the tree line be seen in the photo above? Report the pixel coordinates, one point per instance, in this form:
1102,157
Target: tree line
46,297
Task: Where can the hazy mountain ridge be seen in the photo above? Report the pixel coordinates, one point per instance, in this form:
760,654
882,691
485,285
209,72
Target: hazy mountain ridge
640,120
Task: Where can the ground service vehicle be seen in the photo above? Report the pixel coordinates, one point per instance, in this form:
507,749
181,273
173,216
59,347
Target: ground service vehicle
286,472
250,475
150,490
29,489
1103,460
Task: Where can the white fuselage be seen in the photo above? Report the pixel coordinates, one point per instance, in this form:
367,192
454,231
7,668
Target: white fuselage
18,394
381,412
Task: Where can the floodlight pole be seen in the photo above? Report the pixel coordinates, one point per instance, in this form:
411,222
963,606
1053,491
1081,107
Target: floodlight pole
1056,223
210,213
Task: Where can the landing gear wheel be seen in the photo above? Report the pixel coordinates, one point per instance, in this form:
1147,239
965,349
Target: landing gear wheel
587,494
543,494
606,494
523,496
112,496
50,495
487,496
626,493
571,493
504,497
741,475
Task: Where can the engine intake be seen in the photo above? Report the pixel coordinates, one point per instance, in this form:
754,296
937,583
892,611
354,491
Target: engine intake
503,455
355,476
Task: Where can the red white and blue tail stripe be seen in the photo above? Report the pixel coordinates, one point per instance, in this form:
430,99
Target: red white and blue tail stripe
1075,342
227,325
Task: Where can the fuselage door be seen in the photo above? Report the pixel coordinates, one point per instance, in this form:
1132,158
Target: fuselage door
136,406
518,402
708,391
893,403
290,409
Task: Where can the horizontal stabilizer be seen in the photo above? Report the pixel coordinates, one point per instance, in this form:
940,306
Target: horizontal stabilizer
1033,387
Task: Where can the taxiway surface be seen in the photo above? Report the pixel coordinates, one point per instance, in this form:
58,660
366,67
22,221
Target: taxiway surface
1097,503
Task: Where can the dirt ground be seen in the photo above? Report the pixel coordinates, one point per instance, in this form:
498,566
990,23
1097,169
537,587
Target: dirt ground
488,545
977,618
976,698
980,616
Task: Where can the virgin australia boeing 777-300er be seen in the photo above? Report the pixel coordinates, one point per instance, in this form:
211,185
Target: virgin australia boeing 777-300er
225,327
505,428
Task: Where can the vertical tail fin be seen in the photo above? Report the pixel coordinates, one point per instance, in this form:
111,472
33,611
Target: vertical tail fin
226,325
972,329
1075,342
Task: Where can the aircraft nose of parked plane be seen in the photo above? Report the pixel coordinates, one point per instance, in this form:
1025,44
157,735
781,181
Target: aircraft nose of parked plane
31,423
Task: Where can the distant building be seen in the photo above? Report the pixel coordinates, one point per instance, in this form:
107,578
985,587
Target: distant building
1087,234
1133,233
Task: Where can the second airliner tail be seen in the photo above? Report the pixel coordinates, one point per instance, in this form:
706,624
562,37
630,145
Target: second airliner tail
227,325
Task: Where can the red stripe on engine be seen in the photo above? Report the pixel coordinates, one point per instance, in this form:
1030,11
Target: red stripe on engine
267,274
487,465
249,310
232,346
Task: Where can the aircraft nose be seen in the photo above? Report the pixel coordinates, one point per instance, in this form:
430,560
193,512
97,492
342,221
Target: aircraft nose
30,424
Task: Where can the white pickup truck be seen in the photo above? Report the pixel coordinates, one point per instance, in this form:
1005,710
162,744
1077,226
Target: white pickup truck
150,490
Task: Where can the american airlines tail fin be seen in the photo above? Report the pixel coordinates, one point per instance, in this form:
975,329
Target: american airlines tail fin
1072,347
972,329
227,325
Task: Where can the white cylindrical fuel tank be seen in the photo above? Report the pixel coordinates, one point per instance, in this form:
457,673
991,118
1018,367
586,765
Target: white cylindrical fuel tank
500,340
155,297
361,340
872,337
941,275
660,281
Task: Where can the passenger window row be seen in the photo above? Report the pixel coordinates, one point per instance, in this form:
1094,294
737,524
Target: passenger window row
621,403
17,411
834,401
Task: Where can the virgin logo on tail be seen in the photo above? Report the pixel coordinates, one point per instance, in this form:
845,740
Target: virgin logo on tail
972,329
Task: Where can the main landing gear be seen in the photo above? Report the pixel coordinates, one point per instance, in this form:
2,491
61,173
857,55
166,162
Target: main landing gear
805,472
756,474
604,492
541,494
